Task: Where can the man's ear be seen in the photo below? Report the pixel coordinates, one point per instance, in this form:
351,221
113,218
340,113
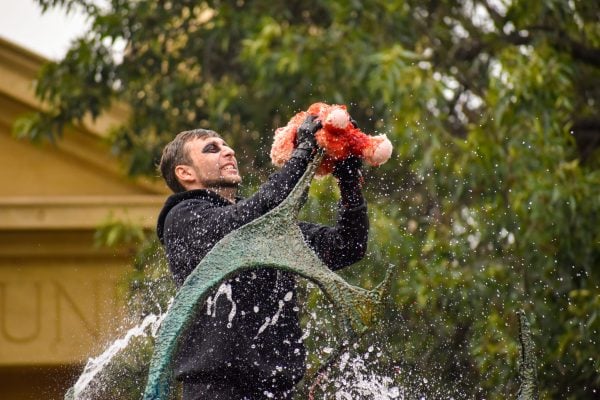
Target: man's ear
185,174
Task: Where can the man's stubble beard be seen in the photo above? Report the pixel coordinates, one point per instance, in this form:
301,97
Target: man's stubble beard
220,183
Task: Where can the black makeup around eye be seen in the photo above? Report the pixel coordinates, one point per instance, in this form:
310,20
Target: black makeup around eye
209,148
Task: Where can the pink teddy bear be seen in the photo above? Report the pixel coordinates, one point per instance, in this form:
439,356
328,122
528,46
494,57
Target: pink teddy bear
338,137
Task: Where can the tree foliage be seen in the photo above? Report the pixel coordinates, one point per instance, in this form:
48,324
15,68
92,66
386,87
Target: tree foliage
491,201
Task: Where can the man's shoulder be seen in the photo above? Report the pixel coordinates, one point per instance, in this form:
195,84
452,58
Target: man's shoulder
194,199
180,205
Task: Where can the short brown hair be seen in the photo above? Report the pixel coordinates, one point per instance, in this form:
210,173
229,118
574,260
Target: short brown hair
174,154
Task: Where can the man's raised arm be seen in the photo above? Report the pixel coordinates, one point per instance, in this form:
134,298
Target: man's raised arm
346,242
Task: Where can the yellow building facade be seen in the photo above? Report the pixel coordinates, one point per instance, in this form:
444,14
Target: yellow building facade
61,297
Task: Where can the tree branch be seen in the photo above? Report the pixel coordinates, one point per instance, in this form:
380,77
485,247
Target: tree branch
562,41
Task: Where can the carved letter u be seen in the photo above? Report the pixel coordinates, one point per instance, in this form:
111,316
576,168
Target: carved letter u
37,299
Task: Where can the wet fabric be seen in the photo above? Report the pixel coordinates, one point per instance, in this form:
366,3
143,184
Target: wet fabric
231,388
249,327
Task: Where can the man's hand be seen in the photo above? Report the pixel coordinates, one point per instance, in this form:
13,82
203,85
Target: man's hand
305,136
348,170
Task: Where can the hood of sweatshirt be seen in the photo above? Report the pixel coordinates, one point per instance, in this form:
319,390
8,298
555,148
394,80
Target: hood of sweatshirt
177,198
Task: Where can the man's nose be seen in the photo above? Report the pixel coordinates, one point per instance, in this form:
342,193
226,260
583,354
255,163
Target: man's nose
228,151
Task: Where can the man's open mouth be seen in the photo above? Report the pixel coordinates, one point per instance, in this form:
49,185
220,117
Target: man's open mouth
229,168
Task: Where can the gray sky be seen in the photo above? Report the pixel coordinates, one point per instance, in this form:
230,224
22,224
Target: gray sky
22,22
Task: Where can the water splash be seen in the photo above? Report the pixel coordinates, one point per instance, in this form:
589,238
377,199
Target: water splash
357,381
94,366
211,303
269,321
354,379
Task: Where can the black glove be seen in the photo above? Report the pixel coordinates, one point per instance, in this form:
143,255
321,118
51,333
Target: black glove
305,135
348,170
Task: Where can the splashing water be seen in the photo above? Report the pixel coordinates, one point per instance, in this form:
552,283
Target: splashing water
354,379
211,304
358,382
95,365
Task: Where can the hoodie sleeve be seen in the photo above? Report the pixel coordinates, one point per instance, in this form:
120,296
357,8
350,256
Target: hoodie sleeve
343,244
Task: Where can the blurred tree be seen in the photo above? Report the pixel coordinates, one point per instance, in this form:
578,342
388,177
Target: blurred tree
491,202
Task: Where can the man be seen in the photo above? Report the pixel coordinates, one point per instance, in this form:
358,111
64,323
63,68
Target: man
246,343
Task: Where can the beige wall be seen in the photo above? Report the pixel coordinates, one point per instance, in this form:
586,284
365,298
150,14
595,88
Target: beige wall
56,313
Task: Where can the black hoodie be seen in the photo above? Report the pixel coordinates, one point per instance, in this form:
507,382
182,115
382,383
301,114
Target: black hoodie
249,329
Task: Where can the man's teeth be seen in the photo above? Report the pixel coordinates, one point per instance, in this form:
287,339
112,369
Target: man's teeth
229,167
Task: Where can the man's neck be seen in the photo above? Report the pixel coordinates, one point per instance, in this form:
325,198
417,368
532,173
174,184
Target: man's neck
225,192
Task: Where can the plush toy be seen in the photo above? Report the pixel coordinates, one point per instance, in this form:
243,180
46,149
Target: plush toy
338,136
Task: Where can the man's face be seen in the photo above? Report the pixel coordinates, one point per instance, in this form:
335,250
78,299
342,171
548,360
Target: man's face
213,164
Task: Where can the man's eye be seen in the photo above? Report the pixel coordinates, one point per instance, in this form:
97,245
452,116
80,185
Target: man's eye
211,148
